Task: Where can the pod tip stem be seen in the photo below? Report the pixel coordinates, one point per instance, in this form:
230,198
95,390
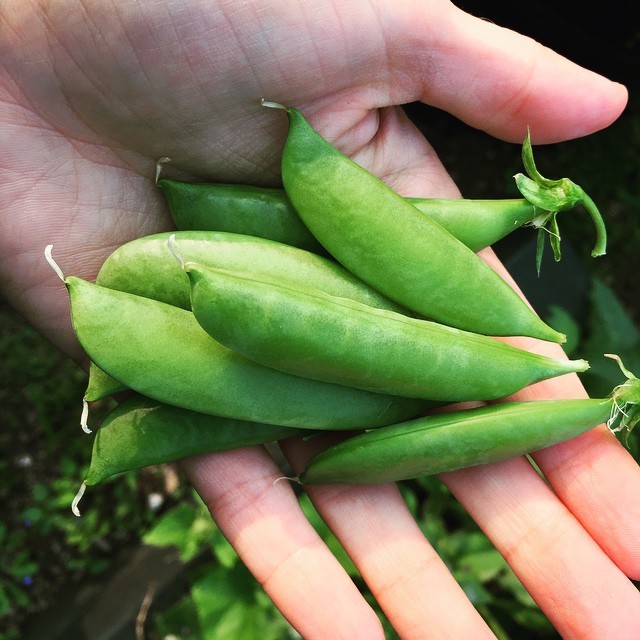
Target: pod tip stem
84,417
160,162
171,244
270,104
295,479
624,370
52,263
76,500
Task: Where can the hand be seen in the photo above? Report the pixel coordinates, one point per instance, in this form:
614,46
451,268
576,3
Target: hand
93,94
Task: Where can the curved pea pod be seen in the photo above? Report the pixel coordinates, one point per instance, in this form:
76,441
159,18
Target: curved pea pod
308,333
141,432
388,243
450,441
161,352
146,268
268,213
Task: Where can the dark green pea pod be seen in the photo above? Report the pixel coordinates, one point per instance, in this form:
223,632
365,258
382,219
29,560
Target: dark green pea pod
146,268
268,213
161,352
306,332
141,432
244,209
387,242
450,441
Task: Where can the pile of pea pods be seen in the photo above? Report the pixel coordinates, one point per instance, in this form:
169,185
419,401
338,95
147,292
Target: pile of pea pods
331,304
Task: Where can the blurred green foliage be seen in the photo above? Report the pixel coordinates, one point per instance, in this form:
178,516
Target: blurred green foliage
45,457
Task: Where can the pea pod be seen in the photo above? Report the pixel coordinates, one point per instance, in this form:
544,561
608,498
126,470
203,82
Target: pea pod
145,267
141,432
450,441
161,352
245,209
309,333
268,213
388,243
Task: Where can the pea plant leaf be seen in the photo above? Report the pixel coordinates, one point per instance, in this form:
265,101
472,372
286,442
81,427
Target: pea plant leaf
184,527
229,605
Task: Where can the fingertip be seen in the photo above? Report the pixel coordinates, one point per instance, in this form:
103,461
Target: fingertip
574,103
502,82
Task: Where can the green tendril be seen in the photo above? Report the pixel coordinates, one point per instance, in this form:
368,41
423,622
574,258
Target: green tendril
625,410
552,197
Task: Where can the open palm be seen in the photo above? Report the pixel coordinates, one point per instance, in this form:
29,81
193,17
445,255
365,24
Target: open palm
92,94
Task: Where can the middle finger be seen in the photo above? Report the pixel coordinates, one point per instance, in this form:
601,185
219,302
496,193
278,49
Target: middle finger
406,576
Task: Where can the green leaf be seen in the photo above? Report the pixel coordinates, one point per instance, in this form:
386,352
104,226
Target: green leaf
181,618
529,162
175,529
223,551
610,323
5,601
325,533
486,565
23,565
40,492
509,581
228,606
554,237
563,321
540,249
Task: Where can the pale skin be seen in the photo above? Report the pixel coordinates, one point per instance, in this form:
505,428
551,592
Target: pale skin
93,93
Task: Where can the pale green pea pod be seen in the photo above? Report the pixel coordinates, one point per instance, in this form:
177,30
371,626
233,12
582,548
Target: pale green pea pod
306,332
145,267
161,352
387,242
249,210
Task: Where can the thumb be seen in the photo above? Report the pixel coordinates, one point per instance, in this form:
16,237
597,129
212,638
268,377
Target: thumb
495,79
